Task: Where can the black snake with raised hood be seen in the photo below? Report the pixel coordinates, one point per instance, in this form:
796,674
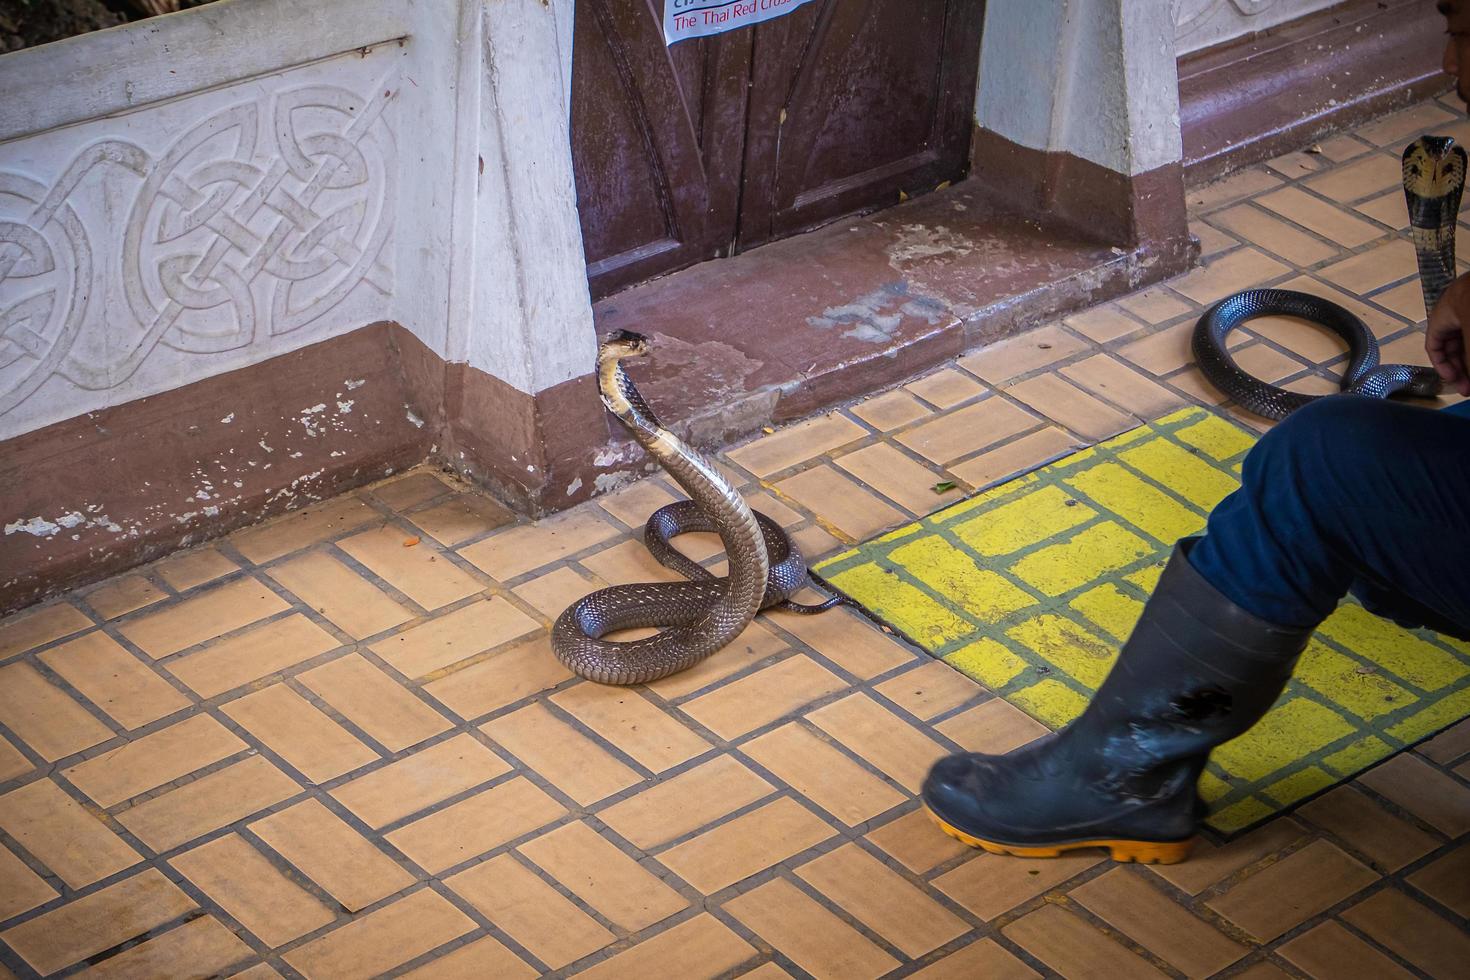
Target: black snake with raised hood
697,617
1434,178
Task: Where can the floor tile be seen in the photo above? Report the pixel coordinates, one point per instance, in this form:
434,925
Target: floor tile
21,889
700,947
420,780
995,727
811,936
302,529
608,880
73,843
418,570
1274,235
1326,219
410,490
322,846
482,958
888,743
114,680
530,911
381,940
1073,948
352,603
1123,386
989,885
1422,790
946,388
914,841
250,888
512,552
1329,950
653,738
841,502
1102,324
99,921
1446,880
930,689
1146,915
849,641
203,943
147,763
476,825
907,483
372,701
1015,457
1386,840
1412,931
746,845
882,900
1286,894
952,436
208,803
34,627
569,760
120,596
463,516
289,725
1241,269
782,450
501,679
1011,358
204,616
446,640
684,803
890,410
822,774
249,656
189,569
985,958
1354,181
760,698
44,716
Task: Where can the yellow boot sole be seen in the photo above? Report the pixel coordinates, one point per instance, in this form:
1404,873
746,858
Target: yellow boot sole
1139,851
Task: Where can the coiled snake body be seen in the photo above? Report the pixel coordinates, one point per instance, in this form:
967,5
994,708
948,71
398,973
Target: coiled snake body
698,617
1434,178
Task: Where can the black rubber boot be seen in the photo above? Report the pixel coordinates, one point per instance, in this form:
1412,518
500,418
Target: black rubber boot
1197,671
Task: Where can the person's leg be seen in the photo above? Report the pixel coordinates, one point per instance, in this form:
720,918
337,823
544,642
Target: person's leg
1350,493
1347,491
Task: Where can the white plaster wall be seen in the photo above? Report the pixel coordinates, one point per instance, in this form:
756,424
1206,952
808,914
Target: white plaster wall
1095,78
196,193
1202,23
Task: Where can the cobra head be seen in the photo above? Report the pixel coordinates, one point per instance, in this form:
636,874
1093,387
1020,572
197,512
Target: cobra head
1434,178
623,344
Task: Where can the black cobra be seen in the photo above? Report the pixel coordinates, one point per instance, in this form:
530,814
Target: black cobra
1434,178
697,617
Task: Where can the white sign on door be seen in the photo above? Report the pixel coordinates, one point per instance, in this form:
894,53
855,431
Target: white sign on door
684,19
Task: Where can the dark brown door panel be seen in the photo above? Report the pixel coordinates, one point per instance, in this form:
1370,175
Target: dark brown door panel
853,101
657,141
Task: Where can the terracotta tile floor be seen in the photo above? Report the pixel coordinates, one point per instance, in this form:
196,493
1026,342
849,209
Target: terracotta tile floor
337,745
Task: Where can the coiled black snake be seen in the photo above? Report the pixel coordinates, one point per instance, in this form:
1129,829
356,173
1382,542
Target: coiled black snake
701,616
1434,178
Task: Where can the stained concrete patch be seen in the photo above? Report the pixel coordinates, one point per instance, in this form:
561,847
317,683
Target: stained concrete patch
1031,588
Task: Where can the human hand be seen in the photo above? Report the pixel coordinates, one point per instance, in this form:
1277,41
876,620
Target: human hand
1447,339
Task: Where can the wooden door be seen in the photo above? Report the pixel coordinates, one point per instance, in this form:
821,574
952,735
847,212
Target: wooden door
694,151
852,102
657,141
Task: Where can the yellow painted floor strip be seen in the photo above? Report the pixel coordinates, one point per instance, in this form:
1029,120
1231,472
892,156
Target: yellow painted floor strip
1031,587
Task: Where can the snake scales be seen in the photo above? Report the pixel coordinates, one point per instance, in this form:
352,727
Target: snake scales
701,616
1434,178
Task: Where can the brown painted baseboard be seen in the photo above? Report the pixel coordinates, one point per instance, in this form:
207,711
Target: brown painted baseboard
95,495
1256,97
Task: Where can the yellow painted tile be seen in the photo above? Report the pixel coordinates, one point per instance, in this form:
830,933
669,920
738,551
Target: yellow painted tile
1441,711
1141,504
1181,471
981,592
1395,649
907,608
1240,815
1016,487
1212,787
1215,436
1146,579
1051,701
988,661
1363,752
1109,608
1062,567
1023,522
1291,730
1346,682
1299,785
1067,646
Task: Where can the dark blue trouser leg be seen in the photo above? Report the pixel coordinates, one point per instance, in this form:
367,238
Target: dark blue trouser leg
1350,494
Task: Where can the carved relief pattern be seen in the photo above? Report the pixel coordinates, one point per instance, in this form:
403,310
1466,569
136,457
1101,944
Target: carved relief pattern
1193,16
257,222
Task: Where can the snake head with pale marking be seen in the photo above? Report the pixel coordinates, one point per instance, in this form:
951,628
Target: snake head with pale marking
623,344
1434,167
